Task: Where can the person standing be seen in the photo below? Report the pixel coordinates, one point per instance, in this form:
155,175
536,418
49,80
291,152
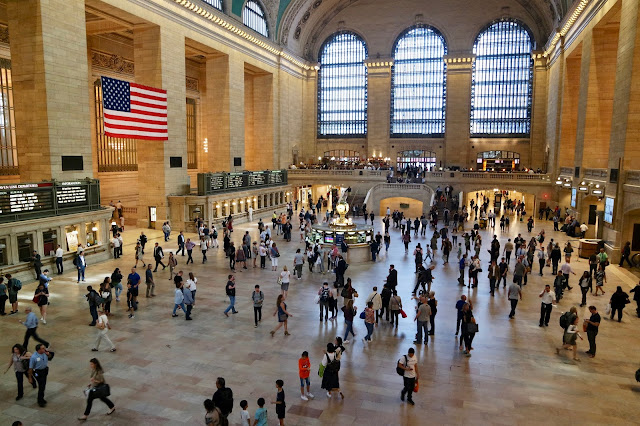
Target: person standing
189,245
158,254
385,294
31,323
593,326
548,298
37,263
376,299
97,389
116,246
181,243
433,304
191,285
279,402
392,278
3,296
230,289
542,258
39,369
151,285
467,332
395,305
42,297
369,321
636,298
304,370
422,318
59,255
258,299
410,376
274,254
584,283
324,295
188,299
330,377
178,300
171,263
134,280
103,328
349,312
626,252
94,300
494,276
514,294
569,339
298,262
618,301
80,264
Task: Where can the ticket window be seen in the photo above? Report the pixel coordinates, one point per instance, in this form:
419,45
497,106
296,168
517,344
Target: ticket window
92,234
216,210
195,212
260,202
4,259
72,238
25,247
50,242
225,209
234,208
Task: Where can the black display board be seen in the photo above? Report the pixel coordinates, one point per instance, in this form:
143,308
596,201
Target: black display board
212,183
23,201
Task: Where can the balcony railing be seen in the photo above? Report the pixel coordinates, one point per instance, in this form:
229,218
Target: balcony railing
600,175
566,172
633,178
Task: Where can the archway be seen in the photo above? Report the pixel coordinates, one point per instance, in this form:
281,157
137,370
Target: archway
409,206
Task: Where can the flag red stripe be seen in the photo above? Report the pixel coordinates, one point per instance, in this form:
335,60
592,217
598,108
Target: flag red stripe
128,136
146,96
133,120
151,89
151,114
144,104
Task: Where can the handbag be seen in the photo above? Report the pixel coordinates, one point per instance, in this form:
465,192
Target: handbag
472,327
101,391
403,313
317,299
416,387
362,315
321,370
36,299
607,310
280,280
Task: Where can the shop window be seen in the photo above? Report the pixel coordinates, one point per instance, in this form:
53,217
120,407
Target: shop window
50,242
25,247
92,234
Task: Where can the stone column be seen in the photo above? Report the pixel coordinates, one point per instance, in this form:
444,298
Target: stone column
216,113
50,86
582,102
159,57
236,110
378,103
554,110
458,118
538,149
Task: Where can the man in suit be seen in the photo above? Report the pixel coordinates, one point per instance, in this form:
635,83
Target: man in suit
392,278
158,254
180,243
341,267
37,263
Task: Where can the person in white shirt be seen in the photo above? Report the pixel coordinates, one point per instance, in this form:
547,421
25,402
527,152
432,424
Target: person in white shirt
59,254
542,256
116,246
583,229
190,285
548,298
566,270
409,363
250,214
103,328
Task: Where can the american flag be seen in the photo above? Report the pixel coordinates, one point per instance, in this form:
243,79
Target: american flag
134,111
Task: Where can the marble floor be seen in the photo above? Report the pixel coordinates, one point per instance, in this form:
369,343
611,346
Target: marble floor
165,367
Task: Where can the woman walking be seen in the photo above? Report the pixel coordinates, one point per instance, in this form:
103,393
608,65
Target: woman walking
601,278
191,285
204,245
348,292
369,321
395,304
106,294
97,389
618,301
330,378
41,297
285,279
241,257
116,282
349,313
570,338
467,333
20,362
274,254
139,253
417,253
283,315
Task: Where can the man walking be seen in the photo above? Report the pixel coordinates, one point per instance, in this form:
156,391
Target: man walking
151,285
459,305
566,270
422,318
230,289
494,275
542,258
376,299
513,295
298,261
39,368
92,298
181,243
189,246
81,265
409,363
258,299
134,279
158,254
59,254
31,322
548,299
593,325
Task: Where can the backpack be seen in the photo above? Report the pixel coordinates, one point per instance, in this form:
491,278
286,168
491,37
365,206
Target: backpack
324,295
399,370
564,320
17,284
215,234
332,366
345,292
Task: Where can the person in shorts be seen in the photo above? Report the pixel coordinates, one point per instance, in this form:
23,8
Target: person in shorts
304,368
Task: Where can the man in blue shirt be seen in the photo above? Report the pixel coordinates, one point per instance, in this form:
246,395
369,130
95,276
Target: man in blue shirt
31,322
39,368
462,265
44,278
134,279
459,305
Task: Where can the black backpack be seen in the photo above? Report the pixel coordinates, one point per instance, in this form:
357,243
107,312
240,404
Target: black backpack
564,320
332,366
226,405
324,294
399,370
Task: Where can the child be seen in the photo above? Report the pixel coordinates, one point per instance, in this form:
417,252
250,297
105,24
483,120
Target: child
279,402
130,300
211,411
260,418
304,368
245,417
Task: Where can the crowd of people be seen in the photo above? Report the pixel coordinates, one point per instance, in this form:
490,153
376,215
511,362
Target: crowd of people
445,221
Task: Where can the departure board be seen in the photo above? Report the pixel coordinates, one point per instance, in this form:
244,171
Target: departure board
34,200
211,183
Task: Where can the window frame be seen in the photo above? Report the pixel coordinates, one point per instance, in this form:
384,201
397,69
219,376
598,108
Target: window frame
211,3
192,133
365,110
508,133
255,15
394,120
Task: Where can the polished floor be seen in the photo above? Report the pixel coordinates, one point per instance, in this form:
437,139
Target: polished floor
165,367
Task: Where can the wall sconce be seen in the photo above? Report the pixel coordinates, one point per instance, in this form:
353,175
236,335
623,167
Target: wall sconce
54,236
3,246
241,201
567,185
205,145
319,158
559,182
94,229
27,241
226,204
233,204
255,198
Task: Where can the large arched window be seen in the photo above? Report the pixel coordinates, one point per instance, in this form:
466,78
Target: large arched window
502,80
215,3
418,83
253,16
342,87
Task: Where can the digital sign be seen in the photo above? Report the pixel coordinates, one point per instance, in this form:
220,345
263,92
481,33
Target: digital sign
34,200
211,183
573,197
608,209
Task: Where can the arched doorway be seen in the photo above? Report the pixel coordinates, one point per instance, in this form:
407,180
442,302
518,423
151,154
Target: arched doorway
498,161
409,206
424,160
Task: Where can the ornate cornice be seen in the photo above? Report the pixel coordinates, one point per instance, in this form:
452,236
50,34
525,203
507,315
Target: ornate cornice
192,84
4,34
113,63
